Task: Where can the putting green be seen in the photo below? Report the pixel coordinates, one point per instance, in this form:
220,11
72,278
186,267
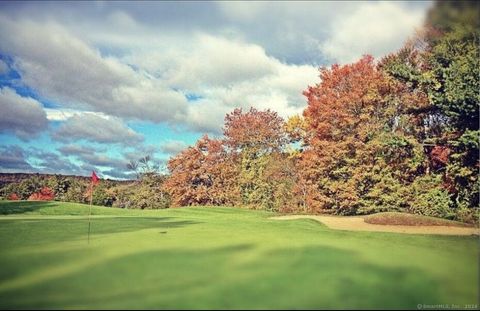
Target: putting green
220,258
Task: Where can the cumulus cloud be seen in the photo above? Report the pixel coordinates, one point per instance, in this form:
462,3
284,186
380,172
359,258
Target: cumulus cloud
22,116
77,150
118,174
173,147
225,74
13,159
92,127
90,160
139,151
281,92
63,68
146,74
218,61
374,28
103,160
107,63
290,31
3,67
51,163
62,114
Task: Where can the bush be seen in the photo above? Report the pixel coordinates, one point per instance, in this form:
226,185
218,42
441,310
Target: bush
426,196
60,186
103,196
143,194
467,215
76,192
383,193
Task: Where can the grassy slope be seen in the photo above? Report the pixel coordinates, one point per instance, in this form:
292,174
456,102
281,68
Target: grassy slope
220,258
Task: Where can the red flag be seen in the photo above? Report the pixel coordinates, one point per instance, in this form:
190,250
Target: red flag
95,178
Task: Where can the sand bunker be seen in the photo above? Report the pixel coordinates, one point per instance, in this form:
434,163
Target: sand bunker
357,223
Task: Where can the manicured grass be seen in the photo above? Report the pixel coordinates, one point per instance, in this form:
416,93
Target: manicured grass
404,219
217,258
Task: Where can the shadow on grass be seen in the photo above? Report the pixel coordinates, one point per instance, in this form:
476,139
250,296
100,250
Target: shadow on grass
38,231
295,278
20,207
123,224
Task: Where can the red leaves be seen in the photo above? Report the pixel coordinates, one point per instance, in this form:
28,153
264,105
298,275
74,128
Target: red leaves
13,197
439,156
45,194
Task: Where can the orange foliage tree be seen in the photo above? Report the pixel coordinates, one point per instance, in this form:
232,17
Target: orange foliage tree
353,117
247,167
203,175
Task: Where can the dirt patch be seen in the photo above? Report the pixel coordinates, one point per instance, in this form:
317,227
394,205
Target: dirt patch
357,223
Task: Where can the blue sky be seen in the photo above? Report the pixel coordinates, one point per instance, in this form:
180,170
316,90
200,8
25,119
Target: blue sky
93,85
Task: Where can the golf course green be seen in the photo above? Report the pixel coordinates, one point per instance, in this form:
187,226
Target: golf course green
215,258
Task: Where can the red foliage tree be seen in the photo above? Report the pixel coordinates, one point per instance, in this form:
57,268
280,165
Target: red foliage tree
13,197
45,194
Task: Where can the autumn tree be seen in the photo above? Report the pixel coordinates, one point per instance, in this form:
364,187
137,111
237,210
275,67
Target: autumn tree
361,136
202,175
260,131
443,63
256,138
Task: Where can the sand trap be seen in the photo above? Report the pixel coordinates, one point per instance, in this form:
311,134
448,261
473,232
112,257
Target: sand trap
357,223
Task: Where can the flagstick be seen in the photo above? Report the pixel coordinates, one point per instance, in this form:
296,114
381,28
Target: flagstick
90,210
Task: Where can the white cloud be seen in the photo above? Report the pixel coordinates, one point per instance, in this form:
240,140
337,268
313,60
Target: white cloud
54,114
243,11
63,68
22,116
122,20
50,162
90,160
228,74
62,114
3,67
92,127
108,63
375,28
76,150
219,61
147,68
13,159
173,147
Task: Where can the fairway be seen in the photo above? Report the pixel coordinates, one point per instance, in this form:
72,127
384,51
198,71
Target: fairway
218,258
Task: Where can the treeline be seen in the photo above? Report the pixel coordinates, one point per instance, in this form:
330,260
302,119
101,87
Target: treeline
143,193
399,134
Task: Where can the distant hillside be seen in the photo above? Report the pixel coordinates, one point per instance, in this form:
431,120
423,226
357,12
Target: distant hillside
8,178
